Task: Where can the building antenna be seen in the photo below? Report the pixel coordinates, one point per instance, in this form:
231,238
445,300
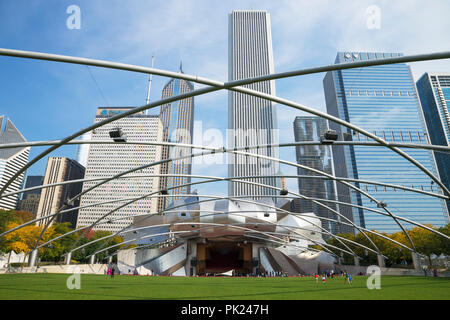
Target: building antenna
150,83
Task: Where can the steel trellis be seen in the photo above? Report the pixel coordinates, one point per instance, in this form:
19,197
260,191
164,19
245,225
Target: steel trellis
230,86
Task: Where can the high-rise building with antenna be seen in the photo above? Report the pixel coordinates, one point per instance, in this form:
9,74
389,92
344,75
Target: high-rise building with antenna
178,126
150,77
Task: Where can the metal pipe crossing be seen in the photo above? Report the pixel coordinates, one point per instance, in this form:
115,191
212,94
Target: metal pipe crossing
214,213
236,152
234,86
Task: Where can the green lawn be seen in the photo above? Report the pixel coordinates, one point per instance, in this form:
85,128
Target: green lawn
53,286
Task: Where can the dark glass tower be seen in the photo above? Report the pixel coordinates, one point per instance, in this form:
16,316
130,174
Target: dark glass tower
434,94
317,157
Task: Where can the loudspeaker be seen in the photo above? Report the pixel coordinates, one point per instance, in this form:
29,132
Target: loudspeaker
194,262
255,262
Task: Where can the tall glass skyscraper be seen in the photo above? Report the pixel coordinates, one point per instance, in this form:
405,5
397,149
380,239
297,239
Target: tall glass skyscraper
382,100
434,94
252,121
178,126
317,157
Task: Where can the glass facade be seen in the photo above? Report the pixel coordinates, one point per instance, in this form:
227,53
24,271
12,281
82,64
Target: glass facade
317,157
382,100
178,124
434,93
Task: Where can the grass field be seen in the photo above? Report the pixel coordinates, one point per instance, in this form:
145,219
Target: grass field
94,287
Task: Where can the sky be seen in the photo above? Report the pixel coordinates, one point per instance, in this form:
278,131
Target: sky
49,100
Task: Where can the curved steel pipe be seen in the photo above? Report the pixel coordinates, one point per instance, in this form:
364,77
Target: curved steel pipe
213,198
321,69
214,213
220,150
230,86
220,179
248,201
252,155
212,225
432,147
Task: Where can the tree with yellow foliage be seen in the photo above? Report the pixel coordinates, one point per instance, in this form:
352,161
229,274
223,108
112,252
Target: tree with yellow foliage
23,239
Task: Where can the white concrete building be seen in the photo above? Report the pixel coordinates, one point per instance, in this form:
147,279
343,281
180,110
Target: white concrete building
107,160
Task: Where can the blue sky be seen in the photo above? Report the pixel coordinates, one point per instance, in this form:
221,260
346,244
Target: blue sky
48,100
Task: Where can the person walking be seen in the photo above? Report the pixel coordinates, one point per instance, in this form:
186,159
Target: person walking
112,272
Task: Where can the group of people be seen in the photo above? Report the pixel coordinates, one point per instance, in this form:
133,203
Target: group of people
347,276
110,272
135,272
271,274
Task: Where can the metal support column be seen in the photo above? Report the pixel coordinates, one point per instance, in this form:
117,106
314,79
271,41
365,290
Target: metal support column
33,257
416,262
68,258
381,262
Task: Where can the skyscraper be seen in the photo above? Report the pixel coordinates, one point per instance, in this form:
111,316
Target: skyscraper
60,169
317,157
11,160
434,94
177,119
252,121
83,150
30,203
30,199
107,160
33,181
382,100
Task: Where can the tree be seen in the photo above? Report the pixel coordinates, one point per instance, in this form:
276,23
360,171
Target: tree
82,254
57,248
425,241
23,239
9,216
